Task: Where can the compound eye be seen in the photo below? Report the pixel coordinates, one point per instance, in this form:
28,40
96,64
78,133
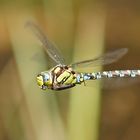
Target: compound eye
46,77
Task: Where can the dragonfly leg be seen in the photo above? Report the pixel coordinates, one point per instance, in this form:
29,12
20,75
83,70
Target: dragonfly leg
84,83
63,87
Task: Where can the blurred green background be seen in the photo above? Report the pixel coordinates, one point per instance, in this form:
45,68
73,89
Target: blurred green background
82,29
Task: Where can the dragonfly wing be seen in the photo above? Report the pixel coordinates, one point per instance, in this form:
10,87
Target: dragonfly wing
50,48
105,59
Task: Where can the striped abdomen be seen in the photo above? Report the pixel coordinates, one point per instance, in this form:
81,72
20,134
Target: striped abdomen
111,74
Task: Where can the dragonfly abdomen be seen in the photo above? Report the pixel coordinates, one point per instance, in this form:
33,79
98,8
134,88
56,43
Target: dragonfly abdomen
111,74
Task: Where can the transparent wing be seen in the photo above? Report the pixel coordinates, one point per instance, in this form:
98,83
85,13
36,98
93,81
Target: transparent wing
50,48
105,59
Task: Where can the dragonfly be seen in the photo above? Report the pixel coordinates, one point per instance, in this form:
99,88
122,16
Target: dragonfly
63,76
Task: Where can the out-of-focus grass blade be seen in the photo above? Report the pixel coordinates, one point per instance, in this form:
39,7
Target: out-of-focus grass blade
85,102
42,108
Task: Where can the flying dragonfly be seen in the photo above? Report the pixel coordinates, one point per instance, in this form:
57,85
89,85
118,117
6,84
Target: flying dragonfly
64,76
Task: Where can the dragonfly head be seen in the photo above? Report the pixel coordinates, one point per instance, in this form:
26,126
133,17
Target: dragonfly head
44,80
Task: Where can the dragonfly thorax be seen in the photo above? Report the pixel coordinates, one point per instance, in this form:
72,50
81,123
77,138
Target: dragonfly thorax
58,78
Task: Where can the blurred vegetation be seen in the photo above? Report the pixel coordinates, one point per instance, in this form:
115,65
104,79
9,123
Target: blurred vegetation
81,30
